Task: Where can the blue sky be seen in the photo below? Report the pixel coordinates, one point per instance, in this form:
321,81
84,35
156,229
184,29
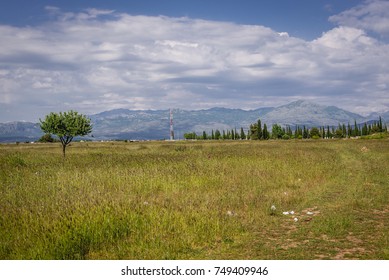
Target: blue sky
99,55
303,18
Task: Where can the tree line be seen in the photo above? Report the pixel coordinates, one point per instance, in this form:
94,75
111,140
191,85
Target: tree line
257,131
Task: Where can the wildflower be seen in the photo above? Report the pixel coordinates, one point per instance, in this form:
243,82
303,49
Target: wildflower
295,219
273,208
285,213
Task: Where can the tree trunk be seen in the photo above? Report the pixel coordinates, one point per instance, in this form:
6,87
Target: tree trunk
63,150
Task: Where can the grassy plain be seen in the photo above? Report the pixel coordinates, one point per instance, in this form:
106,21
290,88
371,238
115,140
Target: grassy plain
196,200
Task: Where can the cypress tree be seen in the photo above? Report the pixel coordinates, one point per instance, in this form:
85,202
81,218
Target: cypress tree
259,130
380,125
328,132
296,132
364,130
242,134
356,131
349,131
344,130
265,133
305,133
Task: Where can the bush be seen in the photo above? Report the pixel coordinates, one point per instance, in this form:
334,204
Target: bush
285,137
47,138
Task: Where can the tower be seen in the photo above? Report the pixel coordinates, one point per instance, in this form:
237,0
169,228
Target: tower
171,125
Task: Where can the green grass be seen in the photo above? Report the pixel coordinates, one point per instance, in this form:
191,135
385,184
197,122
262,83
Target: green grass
196,200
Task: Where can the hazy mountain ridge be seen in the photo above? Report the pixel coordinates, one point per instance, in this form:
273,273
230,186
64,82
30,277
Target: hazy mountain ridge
154,124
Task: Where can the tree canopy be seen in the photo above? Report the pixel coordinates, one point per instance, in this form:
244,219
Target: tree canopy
66,126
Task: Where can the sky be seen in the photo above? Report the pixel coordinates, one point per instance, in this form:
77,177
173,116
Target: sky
94,56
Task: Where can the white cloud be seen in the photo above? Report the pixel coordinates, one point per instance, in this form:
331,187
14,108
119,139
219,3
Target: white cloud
99,60
372,15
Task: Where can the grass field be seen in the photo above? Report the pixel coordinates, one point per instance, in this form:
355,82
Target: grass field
196,200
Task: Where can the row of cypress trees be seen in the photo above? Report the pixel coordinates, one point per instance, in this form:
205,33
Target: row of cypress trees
257,131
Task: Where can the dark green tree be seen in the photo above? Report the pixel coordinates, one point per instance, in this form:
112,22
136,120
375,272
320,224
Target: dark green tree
265,132
339,133
349,131
356,130
344,129
314,133
305,133
242,134
259,130
47,138
365,130
66,126
329,134
380,125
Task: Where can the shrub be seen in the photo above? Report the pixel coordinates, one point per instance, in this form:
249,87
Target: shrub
47,138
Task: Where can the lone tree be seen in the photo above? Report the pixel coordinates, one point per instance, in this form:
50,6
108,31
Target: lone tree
66,126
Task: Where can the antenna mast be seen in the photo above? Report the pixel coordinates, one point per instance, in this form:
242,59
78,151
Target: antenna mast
171,126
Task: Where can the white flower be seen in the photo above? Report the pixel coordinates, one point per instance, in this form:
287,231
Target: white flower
291,212
285,213
273,208
295,219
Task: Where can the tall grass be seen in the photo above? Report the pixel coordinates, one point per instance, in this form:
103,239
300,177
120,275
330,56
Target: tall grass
195,200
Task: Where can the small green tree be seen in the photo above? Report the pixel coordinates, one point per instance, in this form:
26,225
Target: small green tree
277,131
190,135
66,126
253,131
315,133
47,138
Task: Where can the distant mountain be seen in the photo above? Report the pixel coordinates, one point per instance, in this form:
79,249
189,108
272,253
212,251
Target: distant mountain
310,114
154,124
19,131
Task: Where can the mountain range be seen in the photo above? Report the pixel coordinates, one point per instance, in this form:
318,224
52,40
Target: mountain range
154,124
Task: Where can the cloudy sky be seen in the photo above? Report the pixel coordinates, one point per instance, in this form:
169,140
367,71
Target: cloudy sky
93,56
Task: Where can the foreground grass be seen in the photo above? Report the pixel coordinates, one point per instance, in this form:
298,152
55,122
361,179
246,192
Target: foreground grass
196,200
